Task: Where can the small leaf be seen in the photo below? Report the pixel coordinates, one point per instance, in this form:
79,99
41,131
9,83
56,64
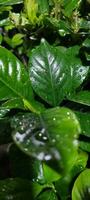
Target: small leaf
86,43
50,174
70,6
50,136
82,97
85,145
17,40
81,189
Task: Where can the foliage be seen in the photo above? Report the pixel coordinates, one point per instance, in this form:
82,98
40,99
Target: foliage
44,99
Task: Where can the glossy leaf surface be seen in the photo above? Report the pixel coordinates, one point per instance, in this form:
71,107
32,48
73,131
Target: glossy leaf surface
14,82
55,72
50,136
17,189
81,189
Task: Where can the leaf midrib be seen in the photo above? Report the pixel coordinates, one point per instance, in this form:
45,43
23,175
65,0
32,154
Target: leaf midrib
52,85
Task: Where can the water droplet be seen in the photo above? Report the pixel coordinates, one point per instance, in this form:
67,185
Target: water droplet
68,113
9,197
53,140
25,149
75,142
48,157
54,119
3,189
43,131
44,138
40,156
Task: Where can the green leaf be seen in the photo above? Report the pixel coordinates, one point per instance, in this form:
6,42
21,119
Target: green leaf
17,189
81,189
70,6
84,119
50,175
48,194
43,6
86,43
55,73
85,145
10,2
17,40
82,97
14,81
50,136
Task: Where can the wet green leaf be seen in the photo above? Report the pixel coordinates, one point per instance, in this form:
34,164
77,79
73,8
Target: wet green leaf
50,136
81,189
54,73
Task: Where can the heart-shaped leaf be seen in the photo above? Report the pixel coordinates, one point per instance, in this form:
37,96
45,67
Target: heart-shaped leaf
81,189
55,72
50,136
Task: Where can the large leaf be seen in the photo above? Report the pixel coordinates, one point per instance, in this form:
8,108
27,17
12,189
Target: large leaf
55,72
81,189
50,136
10,2
18,189
14,81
